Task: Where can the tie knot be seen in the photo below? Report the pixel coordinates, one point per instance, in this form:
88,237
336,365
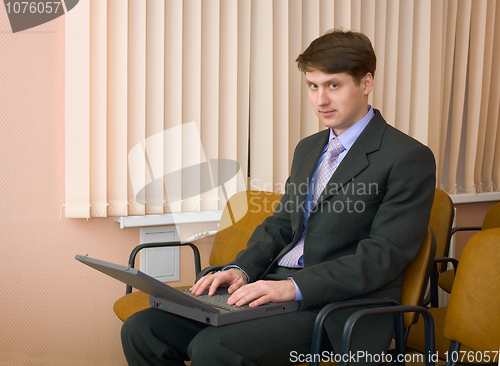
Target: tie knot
335,147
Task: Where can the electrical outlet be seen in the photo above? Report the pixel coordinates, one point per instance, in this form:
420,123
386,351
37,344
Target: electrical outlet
160,263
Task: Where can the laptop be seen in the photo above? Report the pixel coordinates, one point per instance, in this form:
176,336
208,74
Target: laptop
212,310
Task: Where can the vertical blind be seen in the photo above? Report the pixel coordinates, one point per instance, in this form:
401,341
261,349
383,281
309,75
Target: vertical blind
158,91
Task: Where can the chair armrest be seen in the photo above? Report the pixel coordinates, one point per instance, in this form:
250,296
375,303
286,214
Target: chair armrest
137,249
464,228
453,261
397,311
328,309
432,296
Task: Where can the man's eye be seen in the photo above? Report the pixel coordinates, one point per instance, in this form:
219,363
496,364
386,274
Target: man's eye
313,86
334,86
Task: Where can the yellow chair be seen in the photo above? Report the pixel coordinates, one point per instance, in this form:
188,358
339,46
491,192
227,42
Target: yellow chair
415,278
471,323
491,220
416,338
243,212
441,222
473,316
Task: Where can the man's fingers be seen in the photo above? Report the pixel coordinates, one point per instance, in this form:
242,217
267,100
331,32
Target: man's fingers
235,286
214,286
260,301
246,294
262,292
254,299
201,285
232,278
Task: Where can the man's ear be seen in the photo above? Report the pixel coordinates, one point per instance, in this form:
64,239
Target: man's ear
367,82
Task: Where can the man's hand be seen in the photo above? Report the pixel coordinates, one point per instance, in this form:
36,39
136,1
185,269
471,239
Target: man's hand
262,292
234,278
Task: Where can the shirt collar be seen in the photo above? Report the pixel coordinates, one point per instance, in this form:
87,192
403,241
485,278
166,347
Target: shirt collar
350,135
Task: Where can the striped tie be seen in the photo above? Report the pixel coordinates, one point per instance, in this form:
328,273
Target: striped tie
326,170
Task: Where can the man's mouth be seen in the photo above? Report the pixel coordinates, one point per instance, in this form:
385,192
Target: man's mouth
327,113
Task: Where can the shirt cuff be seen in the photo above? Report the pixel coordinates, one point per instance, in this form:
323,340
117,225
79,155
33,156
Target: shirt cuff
233,266
298,294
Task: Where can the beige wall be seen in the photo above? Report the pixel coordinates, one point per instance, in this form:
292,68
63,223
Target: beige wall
469,214
53,310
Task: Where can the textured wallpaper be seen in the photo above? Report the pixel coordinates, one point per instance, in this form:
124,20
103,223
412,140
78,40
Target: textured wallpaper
53,310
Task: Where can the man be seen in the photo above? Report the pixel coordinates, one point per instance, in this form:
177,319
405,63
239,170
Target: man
363,219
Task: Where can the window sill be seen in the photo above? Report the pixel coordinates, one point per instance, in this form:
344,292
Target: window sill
211,216
474,198
168,219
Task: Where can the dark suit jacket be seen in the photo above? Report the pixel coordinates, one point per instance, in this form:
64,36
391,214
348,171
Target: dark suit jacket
369,222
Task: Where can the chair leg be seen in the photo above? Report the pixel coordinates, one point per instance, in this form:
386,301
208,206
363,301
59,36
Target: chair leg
328,309
399,337
453,354
354,318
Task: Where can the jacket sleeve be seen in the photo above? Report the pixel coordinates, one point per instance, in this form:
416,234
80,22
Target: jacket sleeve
266,242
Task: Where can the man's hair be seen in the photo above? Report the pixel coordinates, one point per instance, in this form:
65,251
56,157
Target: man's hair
339,51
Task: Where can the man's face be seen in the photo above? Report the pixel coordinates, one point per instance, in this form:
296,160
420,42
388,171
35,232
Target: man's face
337,99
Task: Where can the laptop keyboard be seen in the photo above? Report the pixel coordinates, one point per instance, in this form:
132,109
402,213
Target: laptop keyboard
217,301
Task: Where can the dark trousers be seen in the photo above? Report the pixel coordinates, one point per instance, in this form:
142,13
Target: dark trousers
154,337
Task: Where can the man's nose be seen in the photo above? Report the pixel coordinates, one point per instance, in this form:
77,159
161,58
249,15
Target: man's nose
322,97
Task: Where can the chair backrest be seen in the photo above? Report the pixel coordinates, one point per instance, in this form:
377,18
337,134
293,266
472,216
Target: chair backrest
417,274
441,222
473,314
492,218
243,212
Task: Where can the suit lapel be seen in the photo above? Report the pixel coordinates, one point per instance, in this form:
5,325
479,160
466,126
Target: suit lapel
304,175
356,159
311,158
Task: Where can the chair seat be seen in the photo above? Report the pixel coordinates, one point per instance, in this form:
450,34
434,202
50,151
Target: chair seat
132,303
445,280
